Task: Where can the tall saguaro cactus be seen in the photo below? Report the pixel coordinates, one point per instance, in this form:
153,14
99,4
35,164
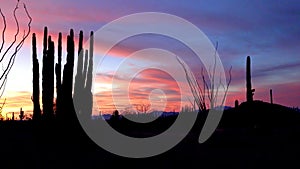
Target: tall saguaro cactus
50,56
48,76
83,81
67,84
250,91
79,82
86,58
35,82
90,68
44,71
271,96
58,77
69,66
88,85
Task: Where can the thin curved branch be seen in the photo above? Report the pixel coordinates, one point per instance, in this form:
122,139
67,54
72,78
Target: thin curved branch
226,90
16,35
19,46
3,85
197,92
3,104
3,31
212,80
17,49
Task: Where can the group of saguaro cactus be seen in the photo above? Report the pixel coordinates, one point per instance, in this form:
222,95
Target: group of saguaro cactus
64,87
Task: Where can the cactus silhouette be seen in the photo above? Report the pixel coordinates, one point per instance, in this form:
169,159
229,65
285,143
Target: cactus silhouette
64,84
79,83
86,58
50,55
21,114
58,77
87,109
271,96
250,91
48,77
67,84
44,70
236,104
35,82
83,81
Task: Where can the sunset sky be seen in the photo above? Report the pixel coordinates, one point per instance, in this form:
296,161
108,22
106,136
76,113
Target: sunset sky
268,31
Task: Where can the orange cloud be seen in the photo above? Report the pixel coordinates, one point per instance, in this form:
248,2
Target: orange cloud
141,87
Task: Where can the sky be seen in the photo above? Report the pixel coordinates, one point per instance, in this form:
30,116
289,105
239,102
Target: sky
268,31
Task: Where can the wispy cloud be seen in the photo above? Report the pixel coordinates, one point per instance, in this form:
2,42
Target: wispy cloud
267,30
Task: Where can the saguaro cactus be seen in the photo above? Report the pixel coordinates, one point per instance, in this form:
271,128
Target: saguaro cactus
271,96
48,76
68,67
44,76
83,81
86,59
67,84
21,115
79,82
35,82
50,56
250,91
236,104
88,85
58,76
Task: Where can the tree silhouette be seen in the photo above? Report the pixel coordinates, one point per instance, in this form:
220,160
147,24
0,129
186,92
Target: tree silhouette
143,108
208,90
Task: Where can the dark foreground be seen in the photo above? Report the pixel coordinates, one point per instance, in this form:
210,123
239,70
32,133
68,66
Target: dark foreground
32,145
254,135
